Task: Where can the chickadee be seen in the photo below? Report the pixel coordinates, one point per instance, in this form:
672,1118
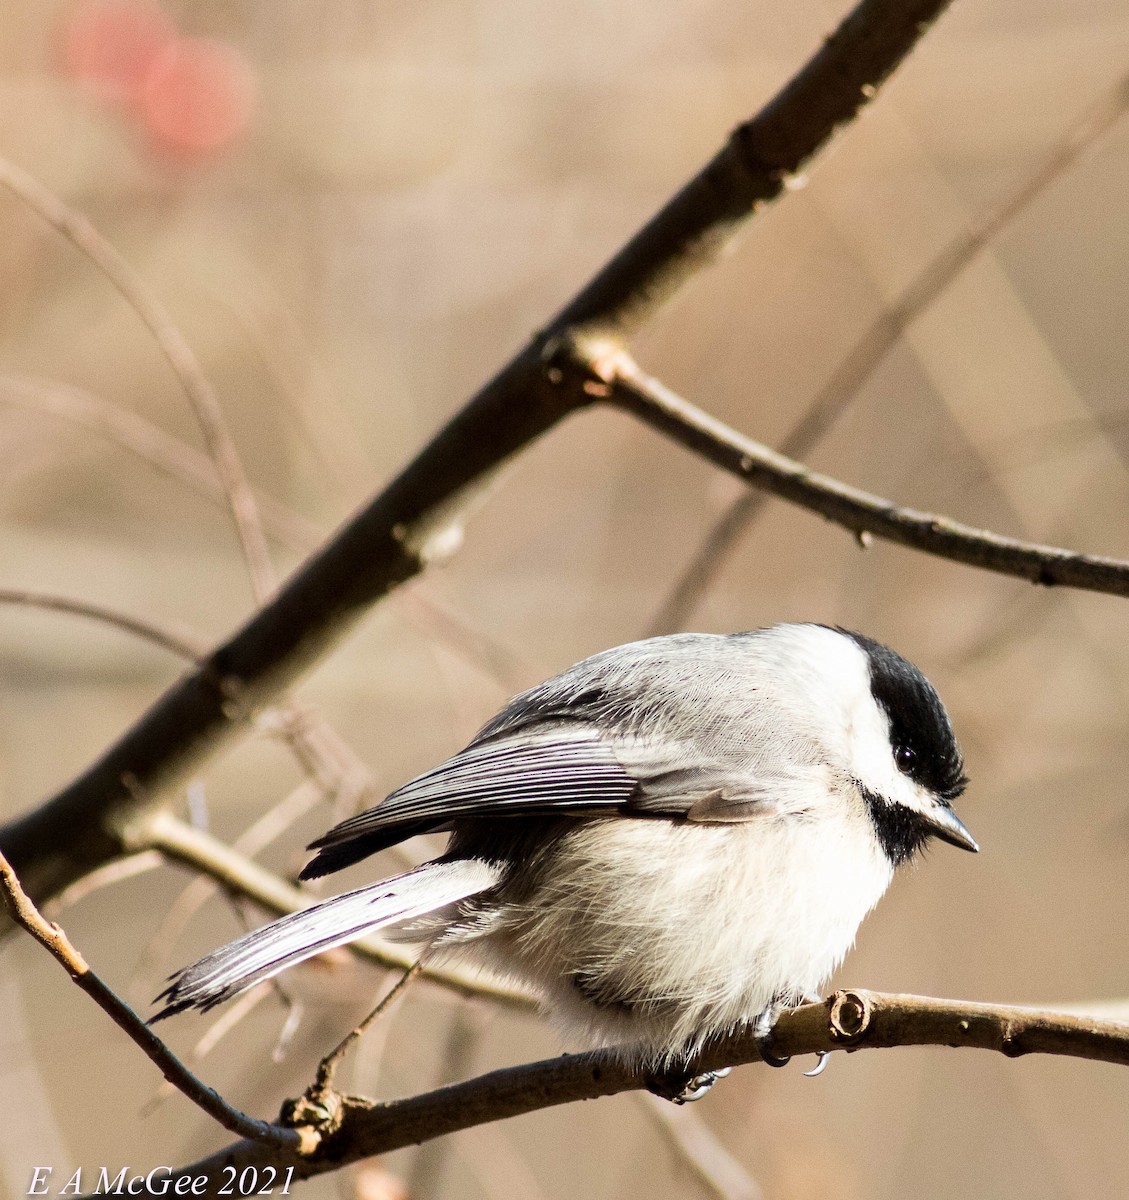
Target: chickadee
668,840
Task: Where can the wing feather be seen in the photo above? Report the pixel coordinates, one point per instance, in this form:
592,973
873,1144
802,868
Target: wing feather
561,771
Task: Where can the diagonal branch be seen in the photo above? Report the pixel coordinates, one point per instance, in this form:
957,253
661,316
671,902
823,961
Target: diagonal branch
850,1020
885,331
417,518
56,942
852,508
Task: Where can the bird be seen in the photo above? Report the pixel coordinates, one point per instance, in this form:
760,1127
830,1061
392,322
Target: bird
668,841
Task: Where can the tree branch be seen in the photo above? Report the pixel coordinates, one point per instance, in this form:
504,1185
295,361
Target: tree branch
56,942
850,1020
417,518
860,512
829,403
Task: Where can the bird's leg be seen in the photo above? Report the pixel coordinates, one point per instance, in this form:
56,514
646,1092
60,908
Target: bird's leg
682,1084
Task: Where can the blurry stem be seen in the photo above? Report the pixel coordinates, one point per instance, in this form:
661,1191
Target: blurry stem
699,1148
325,426
850,507
223,1025
175,643
113,872
832,400
462,1041
56,942
181,843
249,843
156,318
161,450
180,356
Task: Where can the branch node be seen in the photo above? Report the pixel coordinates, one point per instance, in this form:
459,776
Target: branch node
1011,1044
850,1016
584,356
319,1110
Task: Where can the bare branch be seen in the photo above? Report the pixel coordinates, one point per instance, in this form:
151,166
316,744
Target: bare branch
850,1020
860,512
327,1068
761,156
56,942
830,402
417,519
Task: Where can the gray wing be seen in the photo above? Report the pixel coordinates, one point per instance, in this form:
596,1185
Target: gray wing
571,772
603,737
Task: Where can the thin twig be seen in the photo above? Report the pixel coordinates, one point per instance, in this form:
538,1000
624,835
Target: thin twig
833,399
177,459
327,1068
417,519
112,873
851,1020
56,942
161,450
142,627
179,355
860,512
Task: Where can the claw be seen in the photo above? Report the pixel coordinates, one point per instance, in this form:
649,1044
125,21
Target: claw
681,1088
824,1057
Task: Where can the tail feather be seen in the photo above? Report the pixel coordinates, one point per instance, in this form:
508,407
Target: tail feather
264,952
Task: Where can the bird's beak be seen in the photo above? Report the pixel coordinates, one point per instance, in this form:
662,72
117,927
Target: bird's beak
946,825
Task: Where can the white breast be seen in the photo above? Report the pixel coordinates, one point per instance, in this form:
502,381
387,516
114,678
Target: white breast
703,927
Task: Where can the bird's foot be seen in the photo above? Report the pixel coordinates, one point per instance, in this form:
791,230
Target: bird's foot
684,1086
762,1035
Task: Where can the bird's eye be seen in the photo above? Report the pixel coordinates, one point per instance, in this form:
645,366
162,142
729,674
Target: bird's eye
903,757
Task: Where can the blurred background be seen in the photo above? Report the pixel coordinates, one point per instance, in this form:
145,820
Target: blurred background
355,214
